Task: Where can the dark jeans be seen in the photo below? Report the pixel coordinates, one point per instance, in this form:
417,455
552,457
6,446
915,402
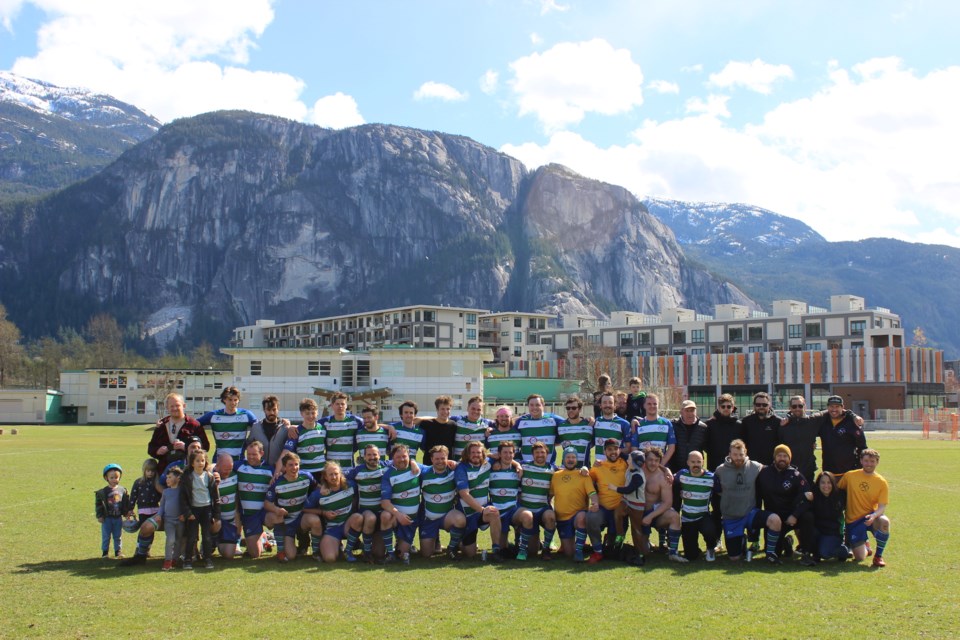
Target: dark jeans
806,535
691,532
201,522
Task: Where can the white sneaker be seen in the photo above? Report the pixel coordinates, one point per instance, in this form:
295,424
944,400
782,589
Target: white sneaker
676,557
711,555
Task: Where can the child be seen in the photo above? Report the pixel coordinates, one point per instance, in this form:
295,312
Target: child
144,495
170,515
828,504
112,505
866,506
200,506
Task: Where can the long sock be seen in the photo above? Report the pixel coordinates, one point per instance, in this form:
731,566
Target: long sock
456,534
387,540
315,544
673,541
523,540
495,546
352,537
149,542
772,538
279,533
368,543
881,538
143,545
548,537
580,537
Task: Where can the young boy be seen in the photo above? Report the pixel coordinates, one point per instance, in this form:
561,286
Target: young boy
867,498
112,506
172,518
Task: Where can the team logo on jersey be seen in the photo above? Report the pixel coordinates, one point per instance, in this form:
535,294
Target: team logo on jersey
565,477
532,440
248,486
786,484
403,494
502,492
437,498
864,486
528,482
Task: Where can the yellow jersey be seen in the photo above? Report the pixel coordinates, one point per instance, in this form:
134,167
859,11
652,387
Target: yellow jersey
606,472
571,493
865,492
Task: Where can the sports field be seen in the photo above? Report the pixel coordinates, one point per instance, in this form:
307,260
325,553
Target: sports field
53,583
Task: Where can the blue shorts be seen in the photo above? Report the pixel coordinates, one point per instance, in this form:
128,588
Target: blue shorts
506,518
752,522
538,517
566,528
337,531
857,532
609,519
292,527
474,523
228,532
252,523
430,529
405,532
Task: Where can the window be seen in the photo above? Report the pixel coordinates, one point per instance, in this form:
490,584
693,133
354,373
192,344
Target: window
416,316
113,382
504,334
626,338
576,342
813,346
471,334
517,352
735,350
518,336
754,333
698,351
363,373
735,334
118,406
643,337
430,332
346,373
429,316
142,407
593,339
755,349
857,327
256,367
856,345
318,368
696,336
794,331
626,354
812,330
518,323
679,352
546,340
471,318
679,337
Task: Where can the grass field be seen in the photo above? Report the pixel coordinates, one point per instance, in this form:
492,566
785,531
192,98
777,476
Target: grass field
53,583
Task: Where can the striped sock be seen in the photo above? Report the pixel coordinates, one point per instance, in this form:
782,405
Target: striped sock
674,541
143,545
279,533
456,534
368,543
315,544
772,538
881,538
548,537
352,537
524,539
387,540
579,539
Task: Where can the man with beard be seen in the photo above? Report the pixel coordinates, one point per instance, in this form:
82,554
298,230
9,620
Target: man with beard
573,495
472,426
533,508
658,499
576,431
841,440
761,429
800,432
503,431
537,426
736,482
473,488
609,426
654,430
608,475
696,487
784,491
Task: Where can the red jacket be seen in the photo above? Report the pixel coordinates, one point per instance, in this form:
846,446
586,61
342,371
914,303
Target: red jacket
161,438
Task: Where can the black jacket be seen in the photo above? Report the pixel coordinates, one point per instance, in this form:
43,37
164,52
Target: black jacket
690,437
762,436
828,512
800,434
782,491
721,431
841,445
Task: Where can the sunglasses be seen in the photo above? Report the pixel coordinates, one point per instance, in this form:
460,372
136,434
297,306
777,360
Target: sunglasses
726,406
761,404
571,408
796,406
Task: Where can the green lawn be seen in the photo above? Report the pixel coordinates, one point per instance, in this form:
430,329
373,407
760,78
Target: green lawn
54,584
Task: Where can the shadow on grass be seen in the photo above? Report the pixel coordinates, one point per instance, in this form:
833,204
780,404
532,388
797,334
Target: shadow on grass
84,568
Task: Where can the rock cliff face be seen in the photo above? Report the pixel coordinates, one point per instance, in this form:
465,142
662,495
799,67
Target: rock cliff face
229,217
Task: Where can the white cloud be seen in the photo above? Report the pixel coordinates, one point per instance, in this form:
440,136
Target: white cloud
546,6
8,11
173,59
336,112
535,39
693,68
757,76
869,155
714,105
561,85
663,86
438,91
489,81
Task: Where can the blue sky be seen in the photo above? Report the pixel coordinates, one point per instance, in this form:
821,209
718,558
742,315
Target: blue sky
841,114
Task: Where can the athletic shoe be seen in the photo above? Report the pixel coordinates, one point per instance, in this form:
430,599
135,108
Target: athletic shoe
187,565
494,556
718,548
105,556
367,557
210,563
807,560
238,550
282,557
453,554
711,555
167,565
638,560
676,557
546,554
137,558
522,555
119,555
773,559
349,557
787,547
578,555
595,557
878,562
389,559
405,558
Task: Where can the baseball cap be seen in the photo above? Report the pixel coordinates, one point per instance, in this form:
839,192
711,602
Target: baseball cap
835,400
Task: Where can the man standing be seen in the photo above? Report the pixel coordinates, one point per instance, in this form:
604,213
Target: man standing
537,426
229,425
722,429
440,430
841,440
762,429
799,431
609,426
168,442
573,495
696,488
473,487
407,430
576,431
472,426
690,432
309,441
372,432
654,430
272,432
503,431
867,499
736,482
783,490
341,428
